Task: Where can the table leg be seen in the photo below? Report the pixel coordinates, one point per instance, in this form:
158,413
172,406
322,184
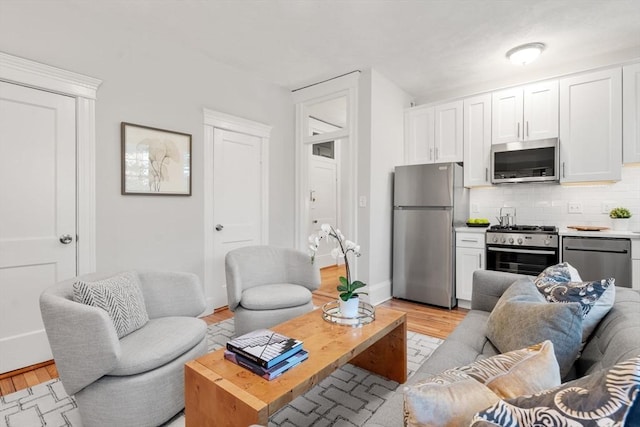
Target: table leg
388,356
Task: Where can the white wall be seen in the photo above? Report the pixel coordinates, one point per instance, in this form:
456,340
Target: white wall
380,131
161,85
547,204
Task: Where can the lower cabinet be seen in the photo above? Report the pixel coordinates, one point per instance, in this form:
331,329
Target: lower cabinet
469,258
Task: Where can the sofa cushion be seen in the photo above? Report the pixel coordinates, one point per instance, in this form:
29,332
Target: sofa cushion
273,297
602,398
522,318
448,399
120,296
157,343
562,283
515,373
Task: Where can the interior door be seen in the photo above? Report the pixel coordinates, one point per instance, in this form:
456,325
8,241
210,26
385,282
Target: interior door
237,199
37,214
323,207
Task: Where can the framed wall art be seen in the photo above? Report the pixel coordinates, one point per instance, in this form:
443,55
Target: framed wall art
155,162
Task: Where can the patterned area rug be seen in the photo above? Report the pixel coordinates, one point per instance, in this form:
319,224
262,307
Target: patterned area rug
348,397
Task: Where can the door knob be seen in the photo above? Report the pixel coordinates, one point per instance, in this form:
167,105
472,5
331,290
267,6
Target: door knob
65,239
219,227
315,221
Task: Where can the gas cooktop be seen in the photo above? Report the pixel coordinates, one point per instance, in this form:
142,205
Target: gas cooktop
524,228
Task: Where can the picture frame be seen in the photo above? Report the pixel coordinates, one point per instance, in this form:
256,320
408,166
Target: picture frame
155,162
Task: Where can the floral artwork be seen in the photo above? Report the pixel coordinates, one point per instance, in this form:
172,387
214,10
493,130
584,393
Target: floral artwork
155,161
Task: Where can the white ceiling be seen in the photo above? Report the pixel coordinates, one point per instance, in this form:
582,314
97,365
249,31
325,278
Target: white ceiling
430,48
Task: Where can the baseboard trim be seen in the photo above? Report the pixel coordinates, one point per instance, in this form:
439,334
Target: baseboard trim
380,292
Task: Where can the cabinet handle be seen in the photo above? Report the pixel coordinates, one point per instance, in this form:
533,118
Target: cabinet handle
436,153
527,128
486,174
469,240
430,153
518,130
479,260
563,170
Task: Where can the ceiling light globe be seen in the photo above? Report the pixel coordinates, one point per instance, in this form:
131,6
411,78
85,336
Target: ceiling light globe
525,54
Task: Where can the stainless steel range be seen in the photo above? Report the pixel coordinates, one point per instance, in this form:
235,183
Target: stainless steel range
522,249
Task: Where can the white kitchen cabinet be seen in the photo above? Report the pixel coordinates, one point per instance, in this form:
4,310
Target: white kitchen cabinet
477,140
448,143
591,127
631,113
434,134
525,113
469,258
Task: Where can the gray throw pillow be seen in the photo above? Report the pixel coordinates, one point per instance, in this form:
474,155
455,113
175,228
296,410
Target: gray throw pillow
608,397
120,296
522,318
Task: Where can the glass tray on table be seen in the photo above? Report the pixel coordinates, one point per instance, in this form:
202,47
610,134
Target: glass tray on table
331,313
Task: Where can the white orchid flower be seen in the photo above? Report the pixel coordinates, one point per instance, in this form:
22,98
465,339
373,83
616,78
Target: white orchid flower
336,253
348,244
356,250
313,248
340,235
325,227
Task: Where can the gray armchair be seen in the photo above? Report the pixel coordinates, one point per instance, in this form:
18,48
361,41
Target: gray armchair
137,380
267,285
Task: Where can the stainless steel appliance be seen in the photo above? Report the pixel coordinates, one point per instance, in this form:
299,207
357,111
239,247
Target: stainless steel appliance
522,249
527,161
429,200
598,258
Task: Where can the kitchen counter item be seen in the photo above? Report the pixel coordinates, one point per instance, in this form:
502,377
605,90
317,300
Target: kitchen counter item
587,227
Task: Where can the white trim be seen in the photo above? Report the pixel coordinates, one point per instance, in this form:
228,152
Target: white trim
83,88
321,90
380,292
217,120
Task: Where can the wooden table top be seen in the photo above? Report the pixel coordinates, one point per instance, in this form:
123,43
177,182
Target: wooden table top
329,345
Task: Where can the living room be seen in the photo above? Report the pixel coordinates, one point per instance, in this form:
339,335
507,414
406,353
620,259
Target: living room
161,65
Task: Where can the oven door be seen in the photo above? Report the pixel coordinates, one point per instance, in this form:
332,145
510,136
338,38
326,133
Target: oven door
520,260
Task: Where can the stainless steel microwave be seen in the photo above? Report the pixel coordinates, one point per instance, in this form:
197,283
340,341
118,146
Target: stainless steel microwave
525,161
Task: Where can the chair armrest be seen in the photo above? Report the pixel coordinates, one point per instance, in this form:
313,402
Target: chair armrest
488,286
172,294
301,271
83,340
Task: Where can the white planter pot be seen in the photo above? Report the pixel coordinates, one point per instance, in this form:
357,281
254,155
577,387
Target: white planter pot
349,308
620,224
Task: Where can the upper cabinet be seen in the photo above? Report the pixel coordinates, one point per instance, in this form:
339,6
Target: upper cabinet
525,113
631,113
434,134
591,127
477,140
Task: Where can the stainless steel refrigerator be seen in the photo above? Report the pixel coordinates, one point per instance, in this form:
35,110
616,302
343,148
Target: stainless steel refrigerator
429,201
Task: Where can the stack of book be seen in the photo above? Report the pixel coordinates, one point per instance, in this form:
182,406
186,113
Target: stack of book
265,353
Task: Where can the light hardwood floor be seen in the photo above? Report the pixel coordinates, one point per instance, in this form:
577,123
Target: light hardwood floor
425,319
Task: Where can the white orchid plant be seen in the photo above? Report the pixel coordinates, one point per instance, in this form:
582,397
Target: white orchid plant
348,289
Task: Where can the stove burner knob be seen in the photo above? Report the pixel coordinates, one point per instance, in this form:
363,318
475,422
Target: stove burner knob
502,240
519,240
511,240
495,240
547,241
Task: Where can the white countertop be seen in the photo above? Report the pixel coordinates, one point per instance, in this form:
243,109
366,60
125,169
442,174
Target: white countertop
603,233
479,230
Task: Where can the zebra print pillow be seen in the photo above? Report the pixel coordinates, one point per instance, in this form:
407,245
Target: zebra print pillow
120,296
605,398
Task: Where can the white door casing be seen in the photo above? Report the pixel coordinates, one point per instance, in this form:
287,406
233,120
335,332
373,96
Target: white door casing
323,202
236,194
79,256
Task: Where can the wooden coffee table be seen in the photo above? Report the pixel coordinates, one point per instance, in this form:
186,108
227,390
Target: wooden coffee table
220,393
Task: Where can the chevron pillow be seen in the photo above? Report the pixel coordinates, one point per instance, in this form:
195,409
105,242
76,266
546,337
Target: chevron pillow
120,296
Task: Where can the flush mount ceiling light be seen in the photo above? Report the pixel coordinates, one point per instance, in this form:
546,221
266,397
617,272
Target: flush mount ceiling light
526,53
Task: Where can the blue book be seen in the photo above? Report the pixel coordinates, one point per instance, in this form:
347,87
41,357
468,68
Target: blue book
271,373
265,347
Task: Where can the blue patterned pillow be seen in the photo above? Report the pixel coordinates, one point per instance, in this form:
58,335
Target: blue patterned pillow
562,283
605,398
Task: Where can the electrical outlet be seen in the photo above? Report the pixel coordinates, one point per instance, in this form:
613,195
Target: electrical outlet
575,207
607,206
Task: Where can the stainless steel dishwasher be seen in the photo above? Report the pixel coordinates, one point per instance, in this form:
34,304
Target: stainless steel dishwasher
598,258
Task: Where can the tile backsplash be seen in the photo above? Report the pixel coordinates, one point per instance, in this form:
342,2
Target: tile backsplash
548,204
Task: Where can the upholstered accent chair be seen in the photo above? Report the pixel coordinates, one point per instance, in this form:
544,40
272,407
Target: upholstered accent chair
138,379
267,285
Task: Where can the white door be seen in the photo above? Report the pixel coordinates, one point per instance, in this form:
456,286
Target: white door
37,213
507,111
448,132
237,199
323,209
541,110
